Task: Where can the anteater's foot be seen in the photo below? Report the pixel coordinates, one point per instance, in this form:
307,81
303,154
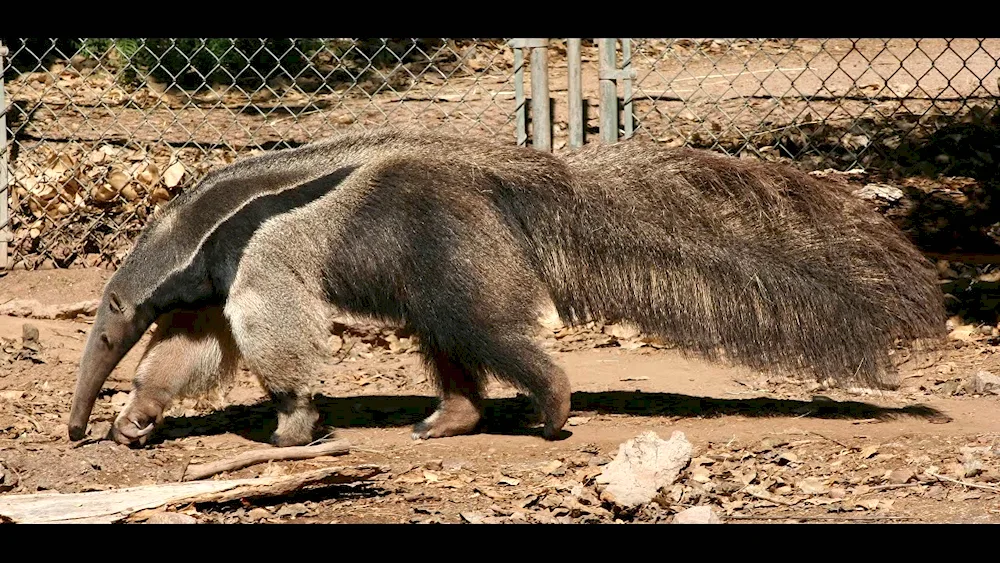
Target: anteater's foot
457,415
555,410
136,421
297,420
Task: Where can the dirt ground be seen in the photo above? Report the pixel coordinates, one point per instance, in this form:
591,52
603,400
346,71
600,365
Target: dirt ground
766,448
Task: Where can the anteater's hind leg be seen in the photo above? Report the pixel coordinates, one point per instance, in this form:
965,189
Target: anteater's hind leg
461,393
281,331
461,367
190,353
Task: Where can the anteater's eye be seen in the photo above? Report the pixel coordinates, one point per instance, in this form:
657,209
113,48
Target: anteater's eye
115,304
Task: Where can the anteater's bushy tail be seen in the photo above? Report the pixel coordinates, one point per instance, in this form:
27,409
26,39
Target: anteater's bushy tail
760,263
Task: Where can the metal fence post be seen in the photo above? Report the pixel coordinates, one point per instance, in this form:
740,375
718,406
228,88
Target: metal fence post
5,235
541,120
626,76
520,111
609,90
575,90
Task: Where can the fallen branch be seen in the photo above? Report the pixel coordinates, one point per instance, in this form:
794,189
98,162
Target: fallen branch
837,518
876,488
117,504
963,483
246,459
838,442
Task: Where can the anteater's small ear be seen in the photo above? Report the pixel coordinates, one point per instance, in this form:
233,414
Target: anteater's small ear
115,304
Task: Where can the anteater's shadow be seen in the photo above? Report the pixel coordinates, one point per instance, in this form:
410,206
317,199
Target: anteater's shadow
513,416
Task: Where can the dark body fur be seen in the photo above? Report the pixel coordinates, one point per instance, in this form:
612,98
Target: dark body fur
462,242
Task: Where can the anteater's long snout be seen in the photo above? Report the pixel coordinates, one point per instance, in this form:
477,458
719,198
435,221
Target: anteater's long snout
100,357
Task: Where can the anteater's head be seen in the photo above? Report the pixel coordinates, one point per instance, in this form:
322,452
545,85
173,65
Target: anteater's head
153,279
120,322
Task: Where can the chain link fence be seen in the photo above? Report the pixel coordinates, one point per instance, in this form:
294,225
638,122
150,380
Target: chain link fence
102,132
837,103
107,130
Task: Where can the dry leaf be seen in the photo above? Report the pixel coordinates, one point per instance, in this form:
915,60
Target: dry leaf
173,174
150,175
129,193
701,475
505,480
104,193
788,457
551,467
117,179
868,451
868,504
813,486
159,195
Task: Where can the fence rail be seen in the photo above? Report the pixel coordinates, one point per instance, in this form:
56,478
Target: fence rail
101,132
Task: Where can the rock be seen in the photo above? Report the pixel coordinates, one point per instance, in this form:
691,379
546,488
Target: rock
697,515
955,469
599,460
884,192
577,420
643,466
971,467
8,479
951,387
11,394
29,333
398,345
335,343
901,476
434,464
472,517
291,510
258,514
577,460
622,331
985,383
170,518
963,333
768,444
494,520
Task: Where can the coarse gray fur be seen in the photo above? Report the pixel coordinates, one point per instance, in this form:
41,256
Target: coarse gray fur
463,242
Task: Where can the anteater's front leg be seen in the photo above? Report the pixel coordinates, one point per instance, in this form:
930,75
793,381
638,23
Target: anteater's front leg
281,331
190,353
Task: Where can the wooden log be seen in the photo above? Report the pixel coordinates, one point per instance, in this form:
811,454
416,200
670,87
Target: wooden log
105,507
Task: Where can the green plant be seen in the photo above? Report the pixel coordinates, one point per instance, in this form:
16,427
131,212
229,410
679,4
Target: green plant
192,63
